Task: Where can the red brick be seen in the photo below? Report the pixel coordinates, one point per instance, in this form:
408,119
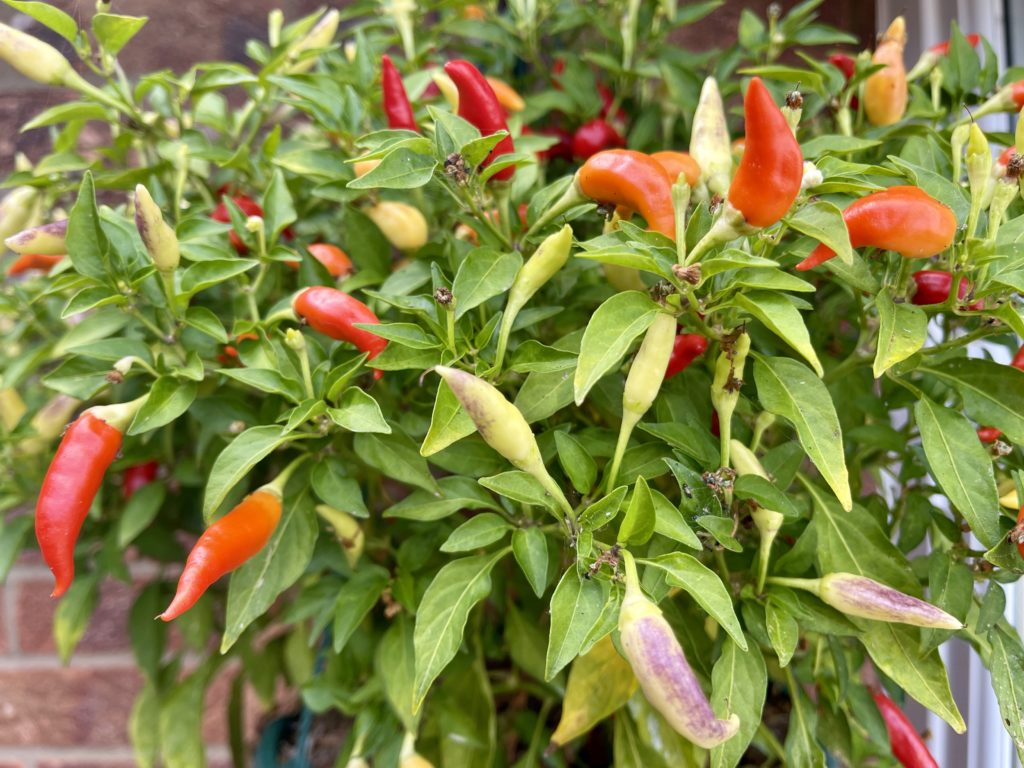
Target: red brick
215,729
72,706
11,764
78,763
108,627
3,631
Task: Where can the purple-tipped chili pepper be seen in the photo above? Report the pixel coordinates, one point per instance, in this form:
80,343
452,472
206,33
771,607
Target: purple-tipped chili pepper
661,668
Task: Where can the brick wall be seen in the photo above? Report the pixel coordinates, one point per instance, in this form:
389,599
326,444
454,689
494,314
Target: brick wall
76,716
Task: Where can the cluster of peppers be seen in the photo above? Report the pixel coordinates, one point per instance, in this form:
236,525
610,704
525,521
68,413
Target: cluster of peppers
768,179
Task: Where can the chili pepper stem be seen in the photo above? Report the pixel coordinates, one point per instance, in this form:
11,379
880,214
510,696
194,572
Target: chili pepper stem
276,486
935,80
504,332
631,576
681,200
809,585
629,422
119,415
449,312
295,340
768,523
167,281
729,225
571,197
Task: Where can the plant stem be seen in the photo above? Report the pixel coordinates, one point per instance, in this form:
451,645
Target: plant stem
629,421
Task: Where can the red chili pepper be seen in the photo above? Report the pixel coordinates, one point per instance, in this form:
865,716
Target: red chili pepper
33,261
1018,359
231,353
334,313
248,206
844,63
768,178
716,427
1017,93
562,149
87,449
906,742
396,102
943,47
479,105
934,286
1020,527
988,434
685,349
226,545
676,163
595,136
1006,155
137,477
903,219
634,180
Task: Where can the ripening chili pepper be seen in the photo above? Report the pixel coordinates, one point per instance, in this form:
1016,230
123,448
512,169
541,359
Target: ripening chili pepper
335,261
347,530
363,167
507,96
768,178
907,745
320,36
137,477
397,108
246,205
686,348
408,757
230,352
631,179
12,408
226,545
942,48
17,210
48,423
88,448
595,136
46,239
643,382
709,139
159,238
1006,156
661,668
860,596
335,313
29,262
1017,534
38,61
903,219
934,286
402,224
479,106
678,163
988,434
503,427
885,91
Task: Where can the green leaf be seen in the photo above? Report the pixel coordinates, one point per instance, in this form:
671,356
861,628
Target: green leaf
73,613
145,738
442,614
670,522
467,719
802,746
638,524
278,207
895,651
704,586
477,532
577,463
455,493
484,273
356,599
49,16
902,331
530,547
609,334
739,683
13,533
65,113
335,490
1005,661
114,32
255,585
786,388
206,274
519,486
406,334
603,511
396,456
205,321
237,460
783,630
824,222
449,422
88,247
575,608
395,667
782,319
401,168
961,467
168,399
181,722
993,393
139,512
359,412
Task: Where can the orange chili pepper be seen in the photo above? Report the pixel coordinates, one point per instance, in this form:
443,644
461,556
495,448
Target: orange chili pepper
634,180
676,163
335,261
33,261
903,219
226,545
885,91
508,97
772,167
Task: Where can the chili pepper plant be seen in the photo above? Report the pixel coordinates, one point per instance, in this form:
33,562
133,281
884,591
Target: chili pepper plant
656,446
